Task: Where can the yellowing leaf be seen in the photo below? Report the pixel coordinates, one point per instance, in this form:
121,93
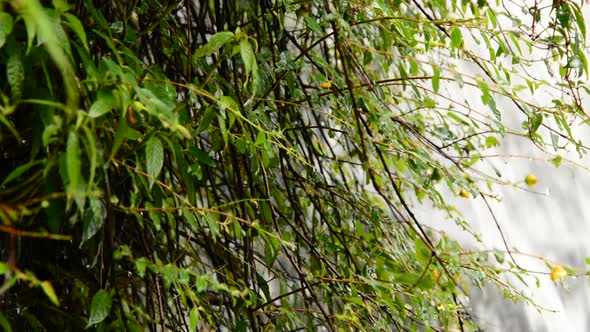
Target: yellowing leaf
48,289
327,85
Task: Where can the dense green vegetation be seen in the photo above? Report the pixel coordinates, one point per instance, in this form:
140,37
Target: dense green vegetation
253,165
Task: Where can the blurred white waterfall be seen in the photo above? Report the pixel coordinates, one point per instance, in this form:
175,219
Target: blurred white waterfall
550,220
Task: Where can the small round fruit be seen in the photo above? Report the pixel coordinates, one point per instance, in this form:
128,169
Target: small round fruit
531,180
464,193
558,273
436,175
436,274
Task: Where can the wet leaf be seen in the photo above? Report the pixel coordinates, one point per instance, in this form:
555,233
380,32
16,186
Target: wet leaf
216,42
104,103
100,307
154,156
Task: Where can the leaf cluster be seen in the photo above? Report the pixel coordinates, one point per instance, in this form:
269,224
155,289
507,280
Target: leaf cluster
255,165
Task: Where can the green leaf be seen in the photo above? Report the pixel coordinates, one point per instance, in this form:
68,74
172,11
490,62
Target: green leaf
423,253
443,133
15,71
156,106
407,278
49,292
216,42
312,24
201,283
74,169
120,135
97,16
213,226
31,26
4,269
141,265
202,157
271,250
491,141
161,88
77,27
554,141
260,139
536,121
154,156
104,103
584,63
46,24
457,118
435,78
4,323
133,326
6,24
248,56
249,59
242,326
206,120
53,33
155,216
92,153
93,219
193,319
557,161
61,5
227,102
579,19
20,171
499,256
456,37
99,308
564,15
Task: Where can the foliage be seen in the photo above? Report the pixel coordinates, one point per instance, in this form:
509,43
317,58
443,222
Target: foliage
253,165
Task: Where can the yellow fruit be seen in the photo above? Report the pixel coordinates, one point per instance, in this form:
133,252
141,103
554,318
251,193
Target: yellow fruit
531,180
558,273
436,274
463,193
326,85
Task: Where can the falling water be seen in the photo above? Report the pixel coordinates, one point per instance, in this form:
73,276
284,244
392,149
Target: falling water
549,221
552,220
